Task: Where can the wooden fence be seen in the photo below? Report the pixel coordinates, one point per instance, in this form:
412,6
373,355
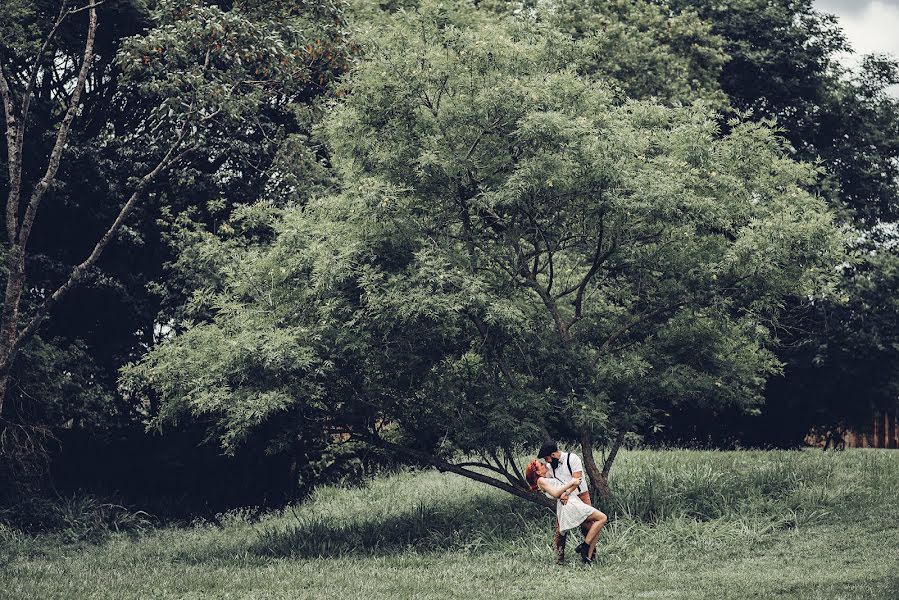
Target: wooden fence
883,432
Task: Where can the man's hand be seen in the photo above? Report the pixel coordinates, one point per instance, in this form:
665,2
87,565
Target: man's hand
564,498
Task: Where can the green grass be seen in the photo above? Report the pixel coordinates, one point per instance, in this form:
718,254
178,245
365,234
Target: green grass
686,524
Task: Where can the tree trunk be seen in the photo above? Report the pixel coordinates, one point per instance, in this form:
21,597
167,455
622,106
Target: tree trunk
875,431
9,322
18,233
888,432
599,479
892,442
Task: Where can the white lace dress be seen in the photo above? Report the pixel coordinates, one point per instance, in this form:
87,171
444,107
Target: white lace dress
572,513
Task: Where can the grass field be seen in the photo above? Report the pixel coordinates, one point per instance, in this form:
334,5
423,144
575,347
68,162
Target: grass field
685,524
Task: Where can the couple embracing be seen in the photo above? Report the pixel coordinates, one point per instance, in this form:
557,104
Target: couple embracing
560,475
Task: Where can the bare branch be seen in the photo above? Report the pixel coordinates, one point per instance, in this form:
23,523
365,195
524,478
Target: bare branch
75,11
443,466
80,271
62,135
511,460
15,132
637,320
36,67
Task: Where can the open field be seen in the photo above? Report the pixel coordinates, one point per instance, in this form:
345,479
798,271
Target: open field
686,524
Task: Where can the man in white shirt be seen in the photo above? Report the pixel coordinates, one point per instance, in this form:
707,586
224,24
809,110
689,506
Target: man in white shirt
564,466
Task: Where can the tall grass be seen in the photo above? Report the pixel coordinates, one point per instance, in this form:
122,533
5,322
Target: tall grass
654,486
684,524
72,519
682,499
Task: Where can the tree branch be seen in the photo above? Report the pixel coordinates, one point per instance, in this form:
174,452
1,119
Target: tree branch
599,257
501,468
641,318
32,79
500,360
91,6
61,135
613,452
18,133
444,466
550,304
483,465
80,270
549,254
597,481
511,460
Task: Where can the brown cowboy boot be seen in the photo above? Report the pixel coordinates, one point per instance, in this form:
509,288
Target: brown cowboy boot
559,543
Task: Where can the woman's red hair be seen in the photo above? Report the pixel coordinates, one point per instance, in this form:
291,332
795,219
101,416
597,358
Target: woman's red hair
531,476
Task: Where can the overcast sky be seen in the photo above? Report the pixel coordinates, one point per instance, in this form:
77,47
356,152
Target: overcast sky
870,25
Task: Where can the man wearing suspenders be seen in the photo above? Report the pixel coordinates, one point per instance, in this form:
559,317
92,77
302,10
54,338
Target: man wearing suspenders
564,466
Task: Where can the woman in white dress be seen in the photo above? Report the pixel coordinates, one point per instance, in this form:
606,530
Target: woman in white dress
571,513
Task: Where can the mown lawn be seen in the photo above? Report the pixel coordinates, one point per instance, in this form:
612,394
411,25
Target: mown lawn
686,524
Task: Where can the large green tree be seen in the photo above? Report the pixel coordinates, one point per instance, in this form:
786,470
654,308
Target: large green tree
515,252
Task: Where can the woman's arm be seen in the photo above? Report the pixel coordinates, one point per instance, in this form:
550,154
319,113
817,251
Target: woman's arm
556,490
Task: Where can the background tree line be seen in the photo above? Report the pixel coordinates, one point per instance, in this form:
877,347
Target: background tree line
397,224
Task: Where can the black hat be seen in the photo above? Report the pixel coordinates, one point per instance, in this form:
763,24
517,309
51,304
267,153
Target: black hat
547,449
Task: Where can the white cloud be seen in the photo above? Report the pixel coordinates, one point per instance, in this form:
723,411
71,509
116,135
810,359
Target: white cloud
875,28
871,26
843,7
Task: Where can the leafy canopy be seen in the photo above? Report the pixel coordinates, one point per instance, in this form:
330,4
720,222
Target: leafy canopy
513,251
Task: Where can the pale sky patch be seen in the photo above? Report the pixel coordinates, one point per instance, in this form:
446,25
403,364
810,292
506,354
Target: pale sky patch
871,26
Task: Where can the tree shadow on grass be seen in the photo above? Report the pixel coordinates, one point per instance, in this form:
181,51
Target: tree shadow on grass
481,523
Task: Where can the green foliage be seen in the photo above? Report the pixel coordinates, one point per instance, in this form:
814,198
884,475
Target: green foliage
554,216
650,51
852,368
539,212
513,250
272,349
236,83
19,29
643,49
244,82
783,65
55,382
